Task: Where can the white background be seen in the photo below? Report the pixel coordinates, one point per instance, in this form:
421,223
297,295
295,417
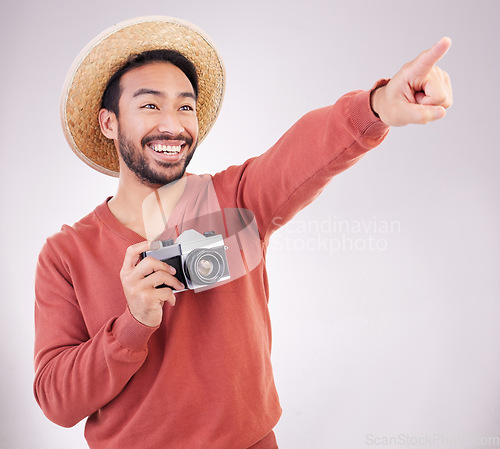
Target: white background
403,339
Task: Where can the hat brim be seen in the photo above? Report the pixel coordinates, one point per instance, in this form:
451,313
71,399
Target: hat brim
96,63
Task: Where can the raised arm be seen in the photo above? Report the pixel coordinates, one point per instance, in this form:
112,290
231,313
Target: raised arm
287,177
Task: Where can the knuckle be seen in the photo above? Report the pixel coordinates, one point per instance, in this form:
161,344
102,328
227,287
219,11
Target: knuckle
441,98
130,251
148,262
171,298
169,294
134,291
407,66
125,280
425,116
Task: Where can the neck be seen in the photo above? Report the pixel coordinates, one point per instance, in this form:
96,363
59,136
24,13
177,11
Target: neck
145,209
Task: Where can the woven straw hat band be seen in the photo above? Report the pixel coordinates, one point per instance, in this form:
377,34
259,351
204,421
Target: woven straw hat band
89,75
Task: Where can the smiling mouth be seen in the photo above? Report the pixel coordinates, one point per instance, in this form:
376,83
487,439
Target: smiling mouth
165,149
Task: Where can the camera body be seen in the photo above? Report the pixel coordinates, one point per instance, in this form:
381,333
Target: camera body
199,259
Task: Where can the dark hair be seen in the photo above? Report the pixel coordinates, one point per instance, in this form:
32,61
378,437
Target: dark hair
113,91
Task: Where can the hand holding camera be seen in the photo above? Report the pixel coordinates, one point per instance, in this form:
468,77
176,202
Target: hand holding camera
193,261
139,280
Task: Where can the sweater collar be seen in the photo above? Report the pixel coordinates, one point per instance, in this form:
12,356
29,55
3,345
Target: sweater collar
109,220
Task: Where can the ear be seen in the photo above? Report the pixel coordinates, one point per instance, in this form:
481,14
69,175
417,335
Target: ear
108,123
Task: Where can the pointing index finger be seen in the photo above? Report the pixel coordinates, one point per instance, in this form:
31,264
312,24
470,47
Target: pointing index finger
428,58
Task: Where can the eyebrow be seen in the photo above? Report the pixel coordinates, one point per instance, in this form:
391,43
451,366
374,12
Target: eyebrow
146,91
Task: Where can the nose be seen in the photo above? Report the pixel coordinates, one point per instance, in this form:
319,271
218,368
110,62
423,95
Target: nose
170,123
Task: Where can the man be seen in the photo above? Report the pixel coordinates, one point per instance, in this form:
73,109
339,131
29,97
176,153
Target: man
173,367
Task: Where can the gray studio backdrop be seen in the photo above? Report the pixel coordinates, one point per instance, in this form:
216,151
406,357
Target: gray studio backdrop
384,292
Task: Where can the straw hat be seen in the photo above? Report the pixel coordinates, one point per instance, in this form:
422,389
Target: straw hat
91,70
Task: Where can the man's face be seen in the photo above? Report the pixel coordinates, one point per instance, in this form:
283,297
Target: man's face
157,123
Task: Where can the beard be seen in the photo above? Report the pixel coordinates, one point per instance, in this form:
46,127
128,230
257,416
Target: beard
136,161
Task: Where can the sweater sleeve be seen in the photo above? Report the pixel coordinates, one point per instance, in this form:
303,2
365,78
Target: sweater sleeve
323,143
75,374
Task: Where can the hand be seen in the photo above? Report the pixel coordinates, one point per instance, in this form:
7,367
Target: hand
139,280
419,93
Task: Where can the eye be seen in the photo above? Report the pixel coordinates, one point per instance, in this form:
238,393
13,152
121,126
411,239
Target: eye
186,107
149,106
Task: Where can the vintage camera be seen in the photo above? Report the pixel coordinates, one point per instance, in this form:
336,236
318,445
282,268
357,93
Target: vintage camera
199,259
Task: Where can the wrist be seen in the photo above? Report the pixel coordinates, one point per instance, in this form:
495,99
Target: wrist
131,333
375,96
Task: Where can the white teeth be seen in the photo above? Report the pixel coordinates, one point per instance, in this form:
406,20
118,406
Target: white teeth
166,148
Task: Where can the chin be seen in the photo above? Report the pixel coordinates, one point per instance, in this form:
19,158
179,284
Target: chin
156,179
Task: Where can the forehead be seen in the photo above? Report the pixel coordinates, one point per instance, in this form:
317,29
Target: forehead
161,76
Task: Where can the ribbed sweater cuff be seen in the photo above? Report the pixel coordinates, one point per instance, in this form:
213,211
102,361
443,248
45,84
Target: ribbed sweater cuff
130,333
362,115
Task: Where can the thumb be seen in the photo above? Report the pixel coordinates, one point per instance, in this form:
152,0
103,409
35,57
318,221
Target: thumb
421,114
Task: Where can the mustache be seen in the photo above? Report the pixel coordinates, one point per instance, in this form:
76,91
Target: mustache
145,140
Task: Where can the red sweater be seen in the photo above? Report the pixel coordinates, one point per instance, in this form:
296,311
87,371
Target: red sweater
203,378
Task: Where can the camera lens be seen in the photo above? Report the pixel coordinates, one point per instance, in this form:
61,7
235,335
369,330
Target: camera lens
204,266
